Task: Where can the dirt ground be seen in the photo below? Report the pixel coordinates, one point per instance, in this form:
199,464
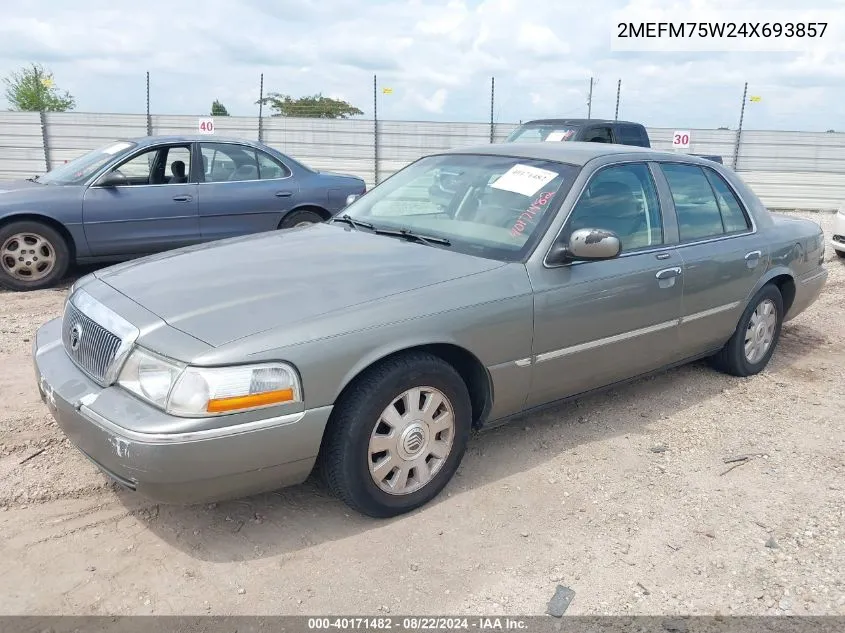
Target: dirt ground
621,497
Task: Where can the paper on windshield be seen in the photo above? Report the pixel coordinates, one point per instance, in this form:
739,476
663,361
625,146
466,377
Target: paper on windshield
524,179
117,147
558,135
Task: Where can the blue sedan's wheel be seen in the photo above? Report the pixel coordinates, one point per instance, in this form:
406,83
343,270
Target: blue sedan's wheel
397,435
32,256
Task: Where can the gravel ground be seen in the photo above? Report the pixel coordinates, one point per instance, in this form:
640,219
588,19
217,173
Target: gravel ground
622,497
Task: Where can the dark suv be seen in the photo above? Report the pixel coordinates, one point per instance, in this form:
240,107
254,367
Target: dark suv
588,130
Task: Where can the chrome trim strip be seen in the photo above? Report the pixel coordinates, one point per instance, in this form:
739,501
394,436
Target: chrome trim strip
114,323
522,362
190,436
706,313
821,273
574,349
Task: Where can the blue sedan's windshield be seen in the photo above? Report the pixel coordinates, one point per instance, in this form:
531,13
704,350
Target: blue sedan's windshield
80,169
485,205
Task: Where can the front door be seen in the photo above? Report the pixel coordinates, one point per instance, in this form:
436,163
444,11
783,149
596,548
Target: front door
723,258
154,209
242,190
600,322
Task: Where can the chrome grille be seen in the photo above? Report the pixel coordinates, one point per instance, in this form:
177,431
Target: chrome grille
91,346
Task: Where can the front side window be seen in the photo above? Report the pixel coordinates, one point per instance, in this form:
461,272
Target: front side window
699,216
157,166
491,206
622,199
598,135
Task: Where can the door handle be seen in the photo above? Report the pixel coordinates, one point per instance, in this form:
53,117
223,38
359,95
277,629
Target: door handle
284,194
668,273
183,198
752,258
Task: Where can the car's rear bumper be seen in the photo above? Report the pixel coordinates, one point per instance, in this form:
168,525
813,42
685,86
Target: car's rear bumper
190,467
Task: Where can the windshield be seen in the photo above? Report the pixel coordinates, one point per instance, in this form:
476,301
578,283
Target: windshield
491,206
536,133
80,169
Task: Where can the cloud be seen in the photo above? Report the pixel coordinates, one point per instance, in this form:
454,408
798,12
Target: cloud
437,55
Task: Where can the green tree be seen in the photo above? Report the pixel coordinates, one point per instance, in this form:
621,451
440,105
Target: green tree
316,106
218,109
32,90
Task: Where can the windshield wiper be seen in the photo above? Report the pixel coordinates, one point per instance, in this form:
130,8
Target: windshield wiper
356,224
414,237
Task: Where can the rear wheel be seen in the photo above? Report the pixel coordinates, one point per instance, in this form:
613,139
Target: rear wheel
749,349
397,435
303,217
32,256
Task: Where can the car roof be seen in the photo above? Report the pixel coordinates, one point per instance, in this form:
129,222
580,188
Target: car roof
578,122
574,153
190,138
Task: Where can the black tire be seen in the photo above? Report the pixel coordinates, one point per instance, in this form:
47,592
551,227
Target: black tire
344,456
731,359
54,242
299,217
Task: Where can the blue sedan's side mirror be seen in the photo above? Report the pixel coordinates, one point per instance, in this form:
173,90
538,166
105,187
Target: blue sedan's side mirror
112,179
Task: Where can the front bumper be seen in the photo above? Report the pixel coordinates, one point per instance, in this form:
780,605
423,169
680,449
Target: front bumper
178,467
837,239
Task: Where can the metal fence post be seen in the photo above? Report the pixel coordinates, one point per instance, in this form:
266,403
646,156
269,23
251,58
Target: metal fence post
739,129
45,140
618,92
149,118
492,101
375,130
261,111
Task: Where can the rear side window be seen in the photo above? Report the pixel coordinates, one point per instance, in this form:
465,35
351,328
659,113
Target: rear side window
733,217
632,135
698,212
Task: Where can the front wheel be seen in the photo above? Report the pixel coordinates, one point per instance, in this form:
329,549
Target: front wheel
32,256
397,435
749,349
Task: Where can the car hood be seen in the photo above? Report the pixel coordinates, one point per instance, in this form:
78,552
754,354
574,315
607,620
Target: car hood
221,291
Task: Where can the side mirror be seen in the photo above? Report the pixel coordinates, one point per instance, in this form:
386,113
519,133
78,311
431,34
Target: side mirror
112,179
352,197
587,245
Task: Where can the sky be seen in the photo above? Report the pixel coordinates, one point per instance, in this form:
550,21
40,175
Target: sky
438,56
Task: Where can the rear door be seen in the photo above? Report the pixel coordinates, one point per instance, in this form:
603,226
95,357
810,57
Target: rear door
722,257
242,190
155,210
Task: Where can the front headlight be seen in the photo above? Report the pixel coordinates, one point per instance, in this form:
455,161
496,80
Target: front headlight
188,391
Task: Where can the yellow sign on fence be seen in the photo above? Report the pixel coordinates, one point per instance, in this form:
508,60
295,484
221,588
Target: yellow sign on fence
755,99
387,91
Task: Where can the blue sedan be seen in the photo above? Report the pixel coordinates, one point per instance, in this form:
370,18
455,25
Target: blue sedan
142,196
